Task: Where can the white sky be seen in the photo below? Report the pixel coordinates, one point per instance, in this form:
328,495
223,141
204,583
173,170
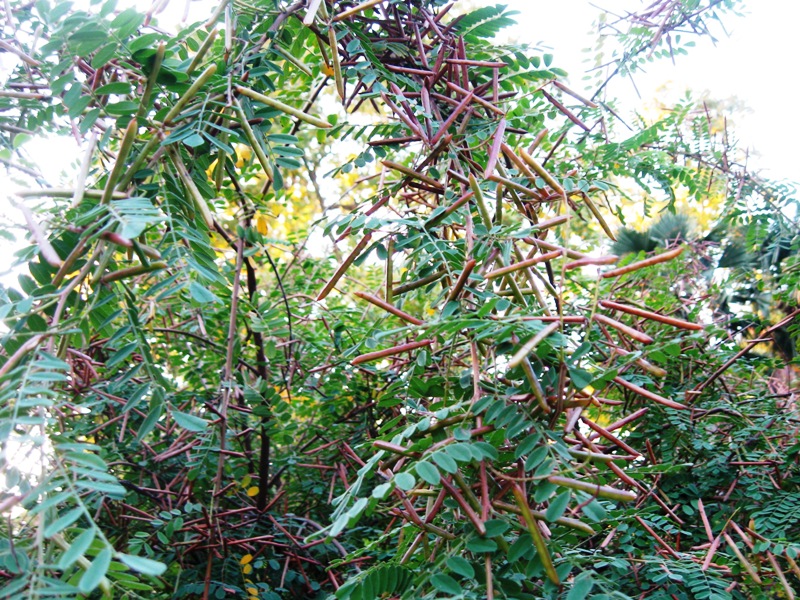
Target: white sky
756,63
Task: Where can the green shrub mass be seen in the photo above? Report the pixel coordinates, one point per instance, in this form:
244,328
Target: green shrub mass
341,302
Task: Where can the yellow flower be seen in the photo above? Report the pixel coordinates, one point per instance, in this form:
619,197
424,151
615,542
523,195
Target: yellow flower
261,224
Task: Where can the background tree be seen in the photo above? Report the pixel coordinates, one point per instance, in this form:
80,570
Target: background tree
466,400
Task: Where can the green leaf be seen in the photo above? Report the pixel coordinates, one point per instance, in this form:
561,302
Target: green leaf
89,35
545,468
544,490
101,487
514,429
127,22
478,544
63,522
77,549
557,506
124,108
581,586
460,566
105,54
580,377
459,451
446,584
463,434
339,524
89,120
189,422
118,87
135,215
215,141
484,22
287,151
449,309
79,106
96,571
143,41
520,548
536,457
486,449
428,472
277,181
156,410
194,141
357,510
88,459
495,527
288,163
595,511
283,138
526,445
136,396
202,294
15,585
121,354
405,481
145,566
382,491
445,462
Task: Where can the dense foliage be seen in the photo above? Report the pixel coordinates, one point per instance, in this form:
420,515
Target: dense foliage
471,397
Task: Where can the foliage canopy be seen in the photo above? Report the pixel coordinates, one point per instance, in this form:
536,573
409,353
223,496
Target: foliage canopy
469,398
